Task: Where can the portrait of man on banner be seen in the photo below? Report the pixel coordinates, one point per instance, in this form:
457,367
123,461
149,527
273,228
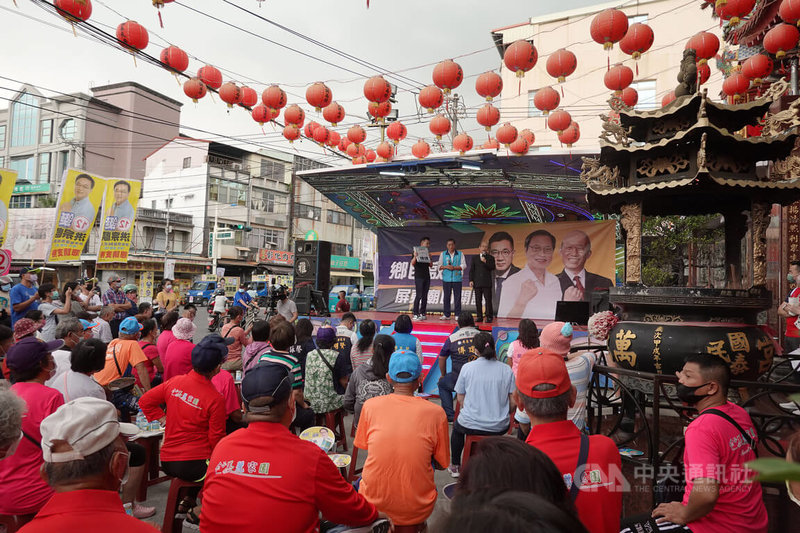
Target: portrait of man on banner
119,214
78,204
8,178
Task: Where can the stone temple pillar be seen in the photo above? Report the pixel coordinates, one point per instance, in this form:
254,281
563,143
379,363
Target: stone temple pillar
759,215
632,224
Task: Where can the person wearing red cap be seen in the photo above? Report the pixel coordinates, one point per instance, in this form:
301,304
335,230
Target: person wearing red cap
590,464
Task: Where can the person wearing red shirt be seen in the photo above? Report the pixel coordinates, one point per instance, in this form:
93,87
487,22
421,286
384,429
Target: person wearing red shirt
195,418
544,388
178,359
85,460
166,337
342,305
790,309
264,470
147,342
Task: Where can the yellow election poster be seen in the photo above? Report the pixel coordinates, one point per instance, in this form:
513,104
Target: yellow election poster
119,214
80,199
8,178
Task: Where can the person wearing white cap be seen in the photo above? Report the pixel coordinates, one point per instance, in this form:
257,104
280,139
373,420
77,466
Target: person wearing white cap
85,461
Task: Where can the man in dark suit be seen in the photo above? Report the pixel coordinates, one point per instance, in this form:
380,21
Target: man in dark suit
576,283
501,248
480,279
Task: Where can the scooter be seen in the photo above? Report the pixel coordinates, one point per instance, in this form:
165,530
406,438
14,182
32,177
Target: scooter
215,320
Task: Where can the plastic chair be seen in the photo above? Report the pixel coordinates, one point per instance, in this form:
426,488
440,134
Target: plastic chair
178,489
353,472
332,419
472,440
14,522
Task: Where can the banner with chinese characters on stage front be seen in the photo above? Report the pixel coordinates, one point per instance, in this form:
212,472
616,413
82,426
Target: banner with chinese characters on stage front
8,178
536,266
119,215
78,203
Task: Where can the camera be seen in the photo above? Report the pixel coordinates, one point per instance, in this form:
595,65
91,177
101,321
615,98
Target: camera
276,294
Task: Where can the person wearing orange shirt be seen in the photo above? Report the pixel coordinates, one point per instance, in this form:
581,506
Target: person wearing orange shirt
122,354
403,435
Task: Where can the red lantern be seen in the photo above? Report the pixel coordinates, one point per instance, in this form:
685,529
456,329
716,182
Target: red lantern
491,144
488,116
421,149
528,136
385,151
668,99
559,120
291,132
310,128
618,77
447,75
334,139
74,10
439,126
379,110
333,113
637,40
377,89
546,99
321,135
230,93
294,115
506,134
249,97
274,97
430,98
520,57
462,143
370,155
629,96
734,10
132,35
570,135
757,67
735,85
703,73
396,132
489,85
609,27
174,58
211,76
561,64
318,95
355,150
356,134
261,114
158,5
344,143
789,11
194,89
520,146
705,45
360,160
780,39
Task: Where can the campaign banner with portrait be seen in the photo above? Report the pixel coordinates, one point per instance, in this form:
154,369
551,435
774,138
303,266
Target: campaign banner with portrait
78,203
535,265
8,178
119,215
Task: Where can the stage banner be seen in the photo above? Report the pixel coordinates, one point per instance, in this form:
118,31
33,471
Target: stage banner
537,265
78,203
119,215
8,178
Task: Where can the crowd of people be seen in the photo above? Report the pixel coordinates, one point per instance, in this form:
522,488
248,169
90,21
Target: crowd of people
73,392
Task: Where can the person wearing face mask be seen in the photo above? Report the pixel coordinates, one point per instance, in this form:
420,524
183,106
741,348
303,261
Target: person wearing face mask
51,308
286,307
117,300
790,309
22,491
85,462
718,442
23,296
71,331
167,298
243,299
5,305
89,299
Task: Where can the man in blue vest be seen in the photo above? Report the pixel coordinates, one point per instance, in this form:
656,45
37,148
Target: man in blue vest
460,350
452,265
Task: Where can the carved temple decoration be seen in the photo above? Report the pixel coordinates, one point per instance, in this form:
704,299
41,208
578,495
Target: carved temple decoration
632,224
726,162
655,166
593,172
613,132
759,213
669,125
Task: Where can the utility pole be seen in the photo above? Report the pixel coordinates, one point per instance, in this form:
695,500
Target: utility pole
214,240
166,228
452,105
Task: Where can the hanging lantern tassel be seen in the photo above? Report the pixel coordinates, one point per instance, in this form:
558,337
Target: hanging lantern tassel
262,130
161,22
74,33
177,78
133,55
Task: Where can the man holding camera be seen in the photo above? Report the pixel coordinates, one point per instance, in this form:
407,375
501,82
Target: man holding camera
286,307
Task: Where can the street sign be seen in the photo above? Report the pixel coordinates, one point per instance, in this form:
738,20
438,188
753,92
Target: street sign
222,235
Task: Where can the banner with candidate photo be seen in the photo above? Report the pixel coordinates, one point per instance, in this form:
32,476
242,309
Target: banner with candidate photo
535,266
119,215
78,203
8,178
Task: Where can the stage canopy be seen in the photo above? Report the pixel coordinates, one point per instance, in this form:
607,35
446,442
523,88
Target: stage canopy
446,189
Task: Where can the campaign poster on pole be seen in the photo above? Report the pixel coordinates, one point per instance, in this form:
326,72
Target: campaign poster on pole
8,178
78,203
119,215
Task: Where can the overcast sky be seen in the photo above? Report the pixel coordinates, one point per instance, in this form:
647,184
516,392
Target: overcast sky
395,35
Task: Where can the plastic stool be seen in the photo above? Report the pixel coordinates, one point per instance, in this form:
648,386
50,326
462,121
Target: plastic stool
178,489
469,442
354,472
332,419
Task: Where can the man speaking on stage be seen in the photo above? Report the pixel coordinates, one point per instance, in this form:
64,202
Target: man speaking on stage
480,279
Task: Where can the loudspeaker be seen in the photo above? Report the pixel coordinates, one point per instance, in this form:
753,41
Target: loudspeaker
312,262
307,299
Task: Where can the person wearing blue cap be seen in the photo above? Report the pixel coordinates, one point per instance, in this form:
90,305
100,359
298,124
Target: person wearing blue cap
122,355
403,435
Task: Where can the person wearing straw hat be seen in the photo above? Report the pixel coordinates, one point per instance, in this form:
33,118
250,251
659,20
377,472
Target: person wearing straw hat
178,356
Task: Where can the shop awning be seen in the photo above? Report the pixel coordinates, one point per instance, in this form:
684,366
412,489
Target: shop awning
347,274
277,269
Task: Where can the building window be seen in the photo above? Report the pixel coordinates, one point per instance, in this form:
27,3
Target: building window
532,111
336,217
545,148
3,136
47,132
64,163
67,129
187,162
647,95
338,249
309,211
168,203
44,168
2,161
153,204
20,201
633,19
24,120
274,239
25,167
272,170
